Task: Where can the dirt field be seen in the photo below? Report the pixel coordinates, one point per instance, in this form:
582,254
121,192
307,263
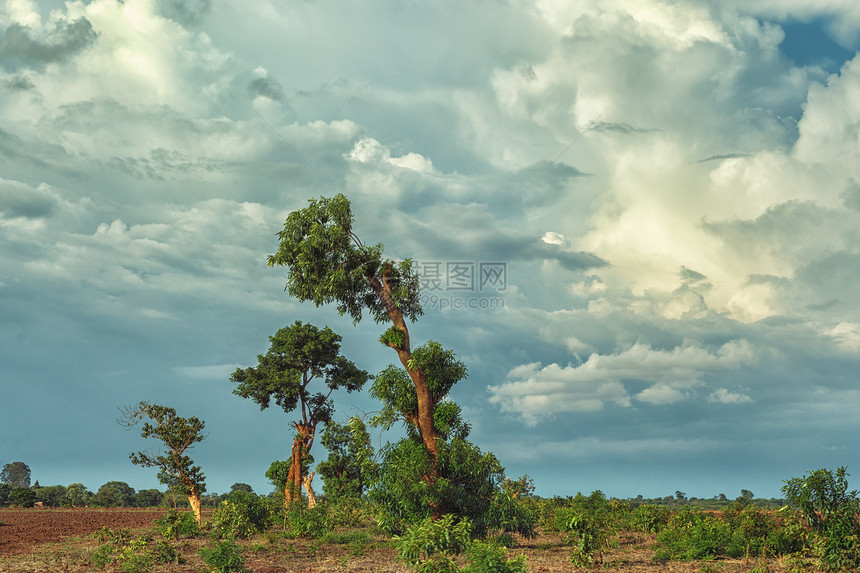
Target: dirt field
36,540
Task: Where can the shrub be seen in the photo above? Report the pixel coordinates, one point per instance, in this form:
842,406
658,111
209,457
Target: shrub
589,528
175,525
831,511
489,557
225,557
301,521
650,518
693,535
429,546
240,516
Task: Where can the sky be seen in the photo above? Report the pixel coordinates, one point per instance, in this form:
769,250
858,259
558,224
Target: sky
636,222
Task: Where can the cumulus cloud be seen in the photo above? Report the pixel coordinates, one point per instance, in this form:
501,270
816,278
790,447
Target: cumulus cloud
668,376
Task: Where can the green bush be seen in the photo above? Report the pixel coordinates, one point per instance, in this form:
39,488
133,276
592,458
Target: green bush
242,514
429,546
650,518
589,527
310,523
225,557
691,535
175,525
831,511
490,557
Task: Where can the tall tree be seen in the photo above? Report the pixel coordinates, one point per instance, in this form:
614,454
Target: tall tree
16,474
328,263
298,355
178,435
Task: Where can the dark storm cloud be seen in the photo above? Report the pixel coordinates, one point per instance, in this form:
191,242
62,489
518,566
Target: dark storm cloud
267,87
19,47
19,200
20,84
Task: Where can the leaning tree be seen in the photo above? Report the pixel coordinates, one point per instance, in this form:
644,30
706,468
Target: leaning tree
298,355
328,263
178,435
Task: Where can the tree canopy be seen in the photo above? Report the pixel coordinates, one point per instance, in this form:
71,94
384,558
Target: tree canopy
16,474
298,355
178,435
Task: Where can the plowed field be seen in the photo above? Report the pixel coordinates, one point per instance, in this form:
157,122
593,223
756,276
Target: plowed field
24,528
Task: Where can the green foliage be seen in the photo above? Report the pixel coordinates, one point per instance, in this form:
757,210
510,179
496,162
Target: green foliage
76,495
114,494
327,263
241,515
429,546
225,557
15,474
393,337
650,518
691,535
468,486
148,498
175,525
588,524
5,490
308,522
488,557
351,465
22,497
102,556
131,555
395,389
831,510
298,354
178,435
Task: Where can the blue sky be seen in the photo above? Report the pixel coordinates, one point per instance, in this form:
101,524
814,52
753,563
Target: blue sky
672,190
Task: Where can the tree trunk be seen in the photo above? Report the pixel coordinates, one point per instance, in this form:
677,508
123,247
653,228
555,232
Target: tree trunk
426,406
293,488
312,497
301,446
194,502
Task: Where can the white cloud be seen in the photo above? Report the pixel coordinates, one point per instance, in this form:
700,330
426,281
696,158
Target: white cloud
670,376
724,396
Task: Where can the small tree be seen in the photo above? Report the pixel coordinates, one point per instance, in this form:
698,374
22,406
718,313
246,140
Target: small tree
350,467
178,436
16,474
298,355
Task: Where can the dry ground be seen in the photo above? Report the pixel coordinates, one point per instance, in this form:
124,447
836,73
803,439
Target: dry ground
36,540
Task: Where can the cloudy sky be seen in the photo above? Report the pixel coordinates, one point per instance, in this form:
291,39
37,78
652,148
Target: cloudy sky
638,223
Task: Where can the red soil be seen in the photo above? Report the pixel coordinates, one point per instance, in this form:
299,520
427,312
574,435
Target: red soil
21,529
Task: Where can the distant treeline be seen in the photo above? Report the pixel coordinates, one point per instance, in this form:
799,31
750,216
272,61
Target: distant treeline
111,494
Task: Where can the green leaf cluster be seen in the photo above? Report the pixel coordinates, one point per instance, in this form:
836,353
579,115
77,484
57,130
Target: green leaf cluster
327,263
298,354
178,435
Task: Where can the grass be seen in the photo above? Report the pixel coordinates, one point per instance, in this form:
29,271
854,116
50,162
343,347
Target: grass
362,549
